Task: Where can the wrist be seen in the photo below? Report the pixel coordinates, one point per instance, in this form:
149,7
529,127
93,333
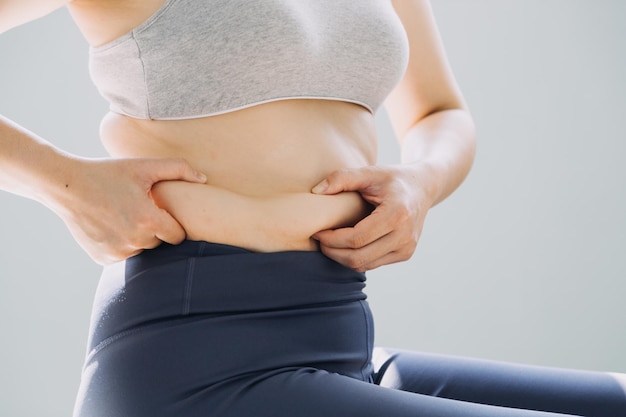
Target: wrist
31,166
56,183
425,178
441,149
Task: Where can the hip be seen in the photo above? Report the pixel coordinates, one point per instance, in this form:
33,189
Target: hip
179,324
199,277
242,311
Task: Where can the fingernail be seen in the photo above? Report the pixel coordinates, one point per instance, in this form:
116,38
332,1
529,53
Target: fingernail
321,187
200,176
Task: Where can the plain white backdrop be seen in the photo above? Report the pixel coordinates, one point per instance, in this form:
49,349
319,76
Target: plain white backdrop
525,262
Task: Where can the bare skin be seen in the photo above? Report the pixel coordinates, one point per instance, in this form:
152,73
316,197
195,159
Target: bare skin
261,164
288,175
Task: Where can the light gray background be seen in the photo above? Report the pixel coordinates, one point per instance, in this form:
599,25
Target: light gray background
525,262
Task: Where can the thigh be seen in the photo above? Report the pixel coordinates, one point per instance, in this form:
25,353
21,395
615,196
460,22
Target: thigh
508,385
308,392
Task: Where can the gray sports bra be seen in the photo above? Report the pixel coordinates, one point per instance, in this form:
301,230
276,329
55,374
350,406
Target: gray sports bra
196,58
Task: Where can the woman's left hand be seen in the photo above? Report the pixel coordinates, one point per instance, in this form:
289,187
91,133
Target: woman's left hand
390,233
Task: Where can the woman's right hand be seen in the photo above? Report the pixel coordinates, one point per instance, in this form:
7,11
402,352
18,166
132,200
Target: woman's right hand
108,208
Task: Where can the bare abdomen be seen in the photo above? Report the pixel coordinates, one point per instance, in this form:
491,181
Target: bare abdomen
261,163
260,223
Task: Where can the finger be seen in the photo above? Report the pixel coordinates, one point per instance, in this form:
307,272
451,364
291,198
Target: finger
143,239
174,169
400,249
361,259
390,258
365,232
168,229
345,180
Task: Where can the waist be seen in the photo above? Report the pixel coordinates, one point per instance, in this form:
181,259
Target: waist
194,274
261,163
268,223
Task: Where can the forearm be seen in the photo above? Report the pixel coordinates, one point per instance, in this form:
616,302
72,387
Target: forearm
439,149
32,167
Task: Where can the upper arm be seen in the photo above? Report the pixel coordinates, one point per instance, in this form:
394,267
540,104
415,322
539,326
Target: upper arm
428,84
16,12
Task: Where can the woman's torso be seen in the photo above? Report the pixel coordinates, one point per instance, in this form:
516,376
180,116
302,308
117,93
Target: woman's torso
261,161
261,164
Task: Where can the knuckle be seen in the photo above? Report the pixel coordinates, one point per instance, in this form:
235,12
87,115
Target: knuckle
354,263
181,165
358,240
179,161
335,176
133,242
408,240
108,254
406,251
143,224
341,174
402,216
404,255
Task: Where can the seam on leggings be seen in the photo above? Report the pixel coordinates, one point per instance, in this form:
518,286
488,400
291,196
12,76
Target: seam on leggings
191,263
368,325
108,341
274,309
118,336
201,248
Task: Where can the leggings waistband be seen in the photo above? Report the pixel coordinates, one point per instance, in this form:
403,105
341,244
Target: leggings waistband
198,277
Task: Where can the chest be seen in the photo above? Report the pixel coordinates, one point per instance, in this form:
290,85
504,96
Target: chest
229,53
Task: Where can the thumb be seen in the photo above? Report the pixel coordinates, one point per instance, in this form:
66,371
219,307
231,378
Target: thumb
164,169
169,230
344,180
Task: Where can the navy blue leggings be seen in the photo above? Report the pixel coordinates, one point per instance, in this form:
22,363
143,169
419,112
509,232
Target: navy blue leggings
202,329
